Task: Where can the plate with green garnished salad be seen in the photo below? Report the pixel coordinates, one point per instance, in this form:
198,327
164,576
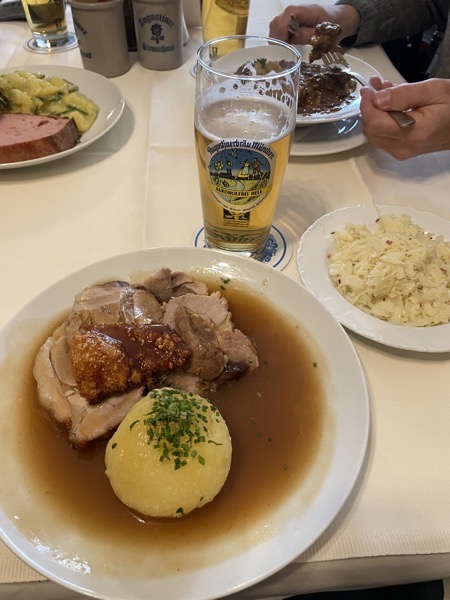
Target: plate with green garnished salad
93,101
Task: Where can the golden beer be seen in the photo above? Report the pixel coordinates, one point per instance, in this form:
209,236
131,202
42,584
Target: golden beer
245,115
224,17
47,21
242,159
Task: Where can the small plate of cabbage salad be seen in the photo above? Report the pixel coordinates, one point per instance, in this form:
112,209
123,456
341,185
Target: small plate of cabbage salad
383,272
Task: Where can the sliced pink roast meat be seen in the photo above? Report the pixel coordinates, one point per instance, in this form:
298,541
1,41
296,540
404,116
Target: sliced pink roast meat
26,137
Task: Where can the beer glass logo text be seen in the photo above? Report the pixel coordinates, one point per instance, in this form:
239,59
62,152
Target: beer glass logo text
239,173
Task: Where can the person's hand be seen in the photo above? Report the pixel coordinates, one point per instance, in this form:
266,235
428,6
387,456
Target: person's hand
429,103
310,15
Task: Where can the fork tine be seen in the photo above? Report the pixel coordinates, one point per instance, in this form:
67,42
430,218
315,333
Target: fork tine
327,59
331,58
340,58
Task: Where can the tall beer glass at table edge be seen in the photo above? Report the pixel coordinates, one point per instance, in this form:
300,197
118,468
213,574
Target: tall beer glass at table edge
222,18
244,124
47,21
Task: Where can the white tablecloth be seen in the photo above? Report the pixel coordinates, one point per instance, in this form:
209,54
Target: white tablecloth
136,188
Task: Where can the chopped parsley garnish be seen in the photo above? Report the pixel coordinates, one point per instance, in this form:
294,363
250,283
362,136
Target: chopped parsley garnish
176,423
224,280
261,61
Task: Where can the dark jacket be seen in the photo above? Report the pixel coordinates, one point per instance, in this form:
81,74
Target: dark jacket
386,20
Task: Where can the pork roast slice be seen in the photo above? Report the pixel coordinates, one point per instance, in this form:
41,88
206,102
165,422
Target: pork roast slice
160,284
239,351
59,395
104,304
219,352
26,137
206,359
185,284
113,302
166,284
213,307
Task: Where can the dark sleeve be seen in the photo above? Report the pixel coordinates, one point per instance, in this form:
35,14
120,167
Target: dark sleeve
383,20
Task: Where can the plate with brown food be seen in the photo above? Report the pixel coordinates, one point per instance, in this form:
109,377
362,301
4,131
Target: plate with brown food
158,443
326,93
384,272
326,96
48,112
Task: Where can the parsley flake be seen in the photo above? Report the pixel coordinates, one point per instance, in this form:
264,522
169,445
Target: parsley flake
176,423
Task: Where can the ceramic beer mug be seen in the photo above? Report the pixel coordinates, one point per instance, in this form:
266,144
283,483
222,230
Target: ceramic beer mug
101,33
159,33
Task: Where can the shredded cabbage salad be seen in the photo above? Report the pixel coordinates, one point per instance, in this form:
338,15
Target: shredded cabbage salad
395,271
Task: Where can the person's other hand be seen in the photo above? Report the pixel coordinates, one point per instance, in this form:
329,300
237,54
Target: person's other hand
310,15
429,103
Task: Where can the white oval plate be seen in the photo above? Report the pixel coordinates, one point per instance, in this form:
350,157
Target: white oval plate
349,110
328,138
312,266
51,543
96,87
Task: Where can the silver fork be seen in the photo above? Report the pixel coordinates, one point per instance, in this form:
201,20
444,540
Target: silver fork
338,60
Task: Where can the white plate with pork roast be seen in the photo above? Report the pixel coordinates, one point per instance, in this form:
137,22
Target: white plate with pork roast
299,427
56,142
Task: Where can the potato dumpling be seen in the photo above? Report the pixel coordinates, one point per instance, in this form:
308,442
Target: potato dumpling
170,455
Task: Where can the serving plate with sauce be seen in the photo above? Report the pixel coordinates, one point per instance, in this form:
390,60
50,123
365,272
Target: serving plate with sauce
299,429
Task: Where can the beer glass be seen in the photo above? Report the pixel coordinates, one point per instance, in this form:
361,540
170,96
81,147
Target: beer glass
224,18
245,115
47,21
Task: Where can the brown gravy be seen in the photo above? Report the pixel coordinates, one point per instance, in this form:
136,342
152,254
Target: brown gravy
275,416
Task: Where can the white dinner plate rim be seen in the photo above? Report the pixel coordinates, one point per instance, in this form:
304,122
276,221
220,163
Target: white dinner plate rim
350,110
345,464
313,270
92,85
345,141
